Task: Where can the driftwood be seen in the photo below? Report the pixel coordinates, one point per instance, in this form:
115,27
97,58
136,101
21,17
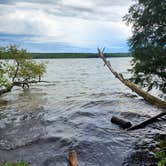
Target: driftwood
73,158
146,122
121,122
148,97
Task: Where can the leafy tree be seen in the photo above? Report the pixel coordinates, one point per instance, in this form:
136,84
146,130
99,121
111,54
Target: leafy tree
18,68
148,43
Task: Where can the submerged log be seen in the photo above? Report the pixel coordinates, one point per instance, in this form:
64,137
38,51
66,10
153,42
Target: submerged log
148,97
121,122
73,158
147,122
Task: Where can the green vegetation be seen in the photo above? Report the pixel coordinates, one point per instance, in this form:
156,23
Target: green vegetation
161,154
22,163
20,71
76,55
148,43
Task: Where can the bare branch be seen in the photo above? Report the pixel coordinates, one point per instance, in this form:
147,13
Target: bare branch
147,96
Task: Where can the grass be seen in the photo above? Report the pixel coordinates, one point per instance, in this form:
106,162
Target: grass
161,154
22,163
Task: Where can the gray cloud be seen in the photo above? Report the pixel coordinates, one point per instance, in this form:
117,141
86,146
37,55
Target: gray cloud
80,22
111,10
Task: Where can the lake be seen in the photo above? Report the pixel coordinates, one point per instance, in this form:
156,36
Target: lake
73,111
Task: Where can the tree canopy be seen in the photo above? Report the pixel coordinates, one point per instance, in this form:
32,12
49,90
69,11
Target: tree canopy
148,43
18,68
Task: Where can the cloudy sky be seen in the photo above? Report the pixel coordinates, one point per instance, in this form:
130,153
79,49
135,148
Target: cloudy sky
65,25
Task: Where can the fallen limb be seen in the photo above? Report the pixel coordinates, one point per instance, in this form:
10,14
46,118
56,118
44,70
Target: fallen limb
121,122
147,122
73,158
148,97
24,84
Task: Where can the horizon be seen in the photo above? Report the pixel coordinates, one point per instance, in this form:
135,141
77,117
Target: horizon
64,26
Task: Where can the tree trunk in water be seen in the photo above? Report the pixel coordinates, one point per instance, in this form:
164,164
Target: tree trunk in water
148,97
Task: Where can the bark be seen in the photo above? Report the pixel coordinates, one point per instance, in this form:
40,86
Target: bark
121,122
147,122
148,97
16,72
73,158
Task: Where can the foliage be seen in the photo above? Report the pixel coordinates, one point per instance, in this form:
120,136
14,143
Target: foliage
18,66
148,43
22,163
161,154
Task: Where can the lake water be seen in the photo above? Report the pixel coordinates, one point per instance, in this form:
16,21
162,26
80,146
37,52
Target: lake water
73,111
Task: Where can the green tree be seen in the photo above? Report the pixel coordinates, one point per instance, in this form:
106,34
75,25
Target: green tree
18,68
148,43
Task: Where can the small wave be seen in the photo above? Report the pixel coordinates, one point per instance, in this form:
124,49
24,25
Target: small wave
100,103
82,114
7,145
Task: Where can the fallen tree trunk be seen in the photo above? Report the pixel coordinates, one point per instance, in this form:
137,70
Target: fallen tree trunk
146,122
148,97
121,122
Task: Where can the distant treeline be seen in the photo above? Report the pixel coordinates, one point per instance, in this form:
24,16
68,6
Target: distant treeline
75,55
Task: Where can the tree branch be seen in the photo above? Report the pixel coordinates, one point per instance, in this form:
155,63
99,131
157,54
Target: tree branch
148,97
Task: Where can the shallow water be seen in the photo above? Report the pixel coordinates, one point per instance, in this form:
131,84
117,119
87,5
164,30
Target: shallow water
73,111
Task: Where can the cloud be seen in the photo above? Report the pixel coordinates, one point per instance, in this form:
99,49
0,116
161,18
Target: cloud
82,23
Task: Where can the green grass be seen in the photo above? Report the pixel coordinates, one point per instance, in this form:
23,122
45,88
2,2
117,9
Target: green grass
22,163
161,154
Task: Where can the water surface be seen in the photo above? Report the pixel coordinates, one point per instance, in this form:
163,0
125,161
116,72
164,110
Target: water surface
73,111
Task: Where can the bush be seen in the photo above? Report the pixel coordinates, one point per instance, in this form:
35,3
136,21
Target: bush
161,154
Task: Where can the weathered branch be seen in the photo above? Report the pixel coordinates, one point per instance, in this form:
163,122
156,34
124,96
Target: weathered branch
146,122
73,158
148,97
16,72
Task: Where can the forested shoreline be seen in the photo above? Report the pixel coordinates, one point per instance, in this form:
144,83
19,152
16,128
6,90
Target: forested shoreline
76,55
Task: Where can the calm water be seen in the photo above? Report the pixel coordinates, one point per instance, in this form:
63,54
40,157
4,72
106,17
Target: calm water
73,111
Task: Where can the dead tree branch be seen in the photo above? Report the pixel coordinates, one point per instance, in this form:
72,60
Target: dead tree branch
147,122
148,97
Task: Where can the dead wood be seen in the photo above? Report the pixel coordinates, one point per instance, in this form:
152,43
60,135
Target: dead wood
121,122
147,122
73,158
147,96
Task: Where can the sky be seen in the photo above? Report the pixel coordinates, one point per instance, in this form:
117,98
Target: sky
65,25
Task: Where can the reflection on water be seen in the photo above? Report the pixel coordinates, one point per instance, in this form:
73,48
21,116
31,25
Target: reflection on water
42,124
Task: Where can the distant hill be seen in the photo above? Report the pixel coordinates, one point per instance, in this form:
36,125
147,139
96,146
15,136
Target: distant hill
76,55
